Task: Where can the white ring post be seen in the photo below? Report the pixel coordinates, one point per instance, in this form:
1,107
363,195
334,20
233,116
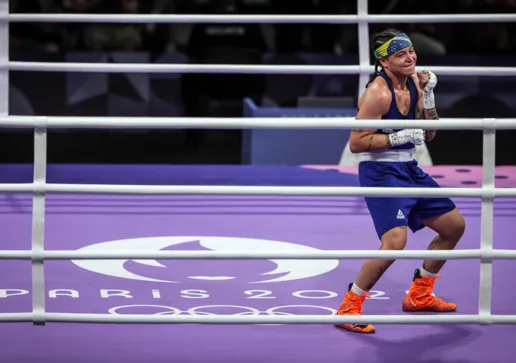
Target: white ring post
4,58
38,220
486,223
363,46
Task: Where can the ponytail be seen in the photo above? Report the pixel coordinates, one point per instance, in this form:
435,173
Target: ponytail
377,69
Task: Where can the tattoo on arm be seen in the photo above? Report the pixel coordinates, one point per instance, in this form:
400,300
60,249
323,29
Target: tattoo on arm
370,142
431,114
428,114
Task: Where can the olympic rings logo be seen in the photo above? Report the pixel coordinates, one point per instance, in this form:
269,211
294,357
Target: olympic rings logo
197,310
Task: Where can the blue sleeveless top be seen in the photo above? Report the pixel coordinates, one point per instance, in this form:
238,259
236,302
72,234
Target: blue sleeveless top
395,114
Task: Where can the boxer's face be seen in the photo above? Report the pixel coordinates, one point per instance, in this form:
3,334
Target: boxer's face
401,63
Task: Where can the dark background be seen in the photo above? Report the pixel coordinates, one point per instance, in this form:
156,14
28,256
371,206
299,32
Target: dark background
205,95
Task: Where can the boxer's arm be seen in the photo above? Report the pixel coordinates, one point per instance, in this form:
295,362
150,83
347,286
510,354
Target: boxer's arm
374,104
425,113
430,114
426,109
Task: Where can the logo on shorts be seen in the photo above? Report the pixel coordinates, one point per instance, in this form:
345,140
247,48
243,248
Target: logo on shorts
286,270
400,214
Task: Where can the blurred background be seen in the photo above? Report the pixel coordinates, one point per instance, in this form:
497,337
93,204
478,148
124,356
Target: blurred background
271,95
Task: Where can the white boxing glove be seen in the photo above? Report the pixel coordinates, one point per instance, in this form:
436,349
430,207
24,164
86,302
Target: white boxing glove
415,136
428,91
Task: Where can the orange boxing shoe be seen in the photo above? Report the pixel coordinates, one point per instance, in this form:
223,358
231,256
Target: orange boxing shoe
352,305
420,297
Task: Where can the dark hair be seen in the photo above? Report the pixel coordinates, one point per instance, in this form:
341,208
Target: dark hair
378,40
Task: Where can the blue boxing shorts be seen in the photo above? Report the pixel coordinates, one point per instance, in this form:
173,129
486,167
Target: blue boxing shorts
391,212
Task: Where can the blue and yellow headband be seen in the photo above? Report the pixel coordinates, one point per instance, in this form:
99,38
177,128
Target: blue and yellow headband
393,45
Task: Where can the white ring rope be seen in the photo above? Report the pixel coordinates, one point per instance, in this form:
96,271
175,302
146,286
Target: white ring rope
256,319
259,255
251,122
39,187
263,19
242,69
385,192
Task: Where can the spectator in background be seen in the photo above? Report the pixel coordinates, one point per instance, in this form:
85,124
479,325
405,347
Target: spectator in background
73,33
30,37
105,37
131,36
425,39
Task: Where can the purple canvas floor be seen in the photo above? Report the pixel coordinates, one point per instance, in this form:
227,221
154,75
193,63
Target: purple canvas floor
233,287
